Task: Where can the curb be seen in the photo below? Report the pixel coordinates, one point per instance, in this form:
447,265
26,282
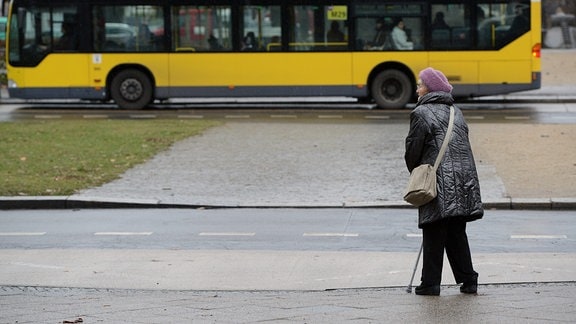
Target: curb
540,98
75,202
46,288
511,98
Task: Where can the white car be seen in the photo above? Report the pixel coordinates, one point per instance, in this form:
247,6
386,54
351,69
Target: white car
119,35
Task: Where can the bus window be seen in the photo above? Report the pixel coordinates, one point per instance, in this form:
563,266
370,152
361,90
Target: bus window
201,28
65,29
261,28
413,30
128,28
390,33
336,26
31,36
318,28
374,33
301,28
518,22
376,25
501,23
450,28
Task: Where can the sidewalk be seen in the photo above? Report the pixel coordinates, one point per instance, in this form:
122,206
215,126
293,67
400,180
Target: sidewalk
516,303
546,94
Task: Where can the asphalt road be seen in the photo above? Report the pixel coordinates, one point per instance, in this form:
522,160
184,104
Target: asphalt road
552,111
375,230
266,249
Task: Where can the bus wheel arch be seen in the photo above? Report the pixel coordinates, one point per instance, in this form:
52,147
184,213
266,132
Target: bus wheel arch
392,85
131,86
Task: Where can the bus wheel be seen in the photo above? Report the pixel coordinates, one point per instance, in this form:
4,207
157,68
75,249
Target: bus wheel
391,89
131,89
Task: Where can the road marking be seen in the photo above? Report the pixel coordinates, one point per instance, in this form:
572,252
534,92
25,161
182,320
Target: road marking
237,116
95,116
47,116
377,117
226,234
191,116
329,116
283,116
475,117
34,265
331,234
143,116
413,235
538,237
22,233
517,117
122,233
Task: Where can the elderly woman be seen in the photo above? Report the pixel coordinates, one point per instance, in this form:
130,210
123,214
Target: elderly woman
443,220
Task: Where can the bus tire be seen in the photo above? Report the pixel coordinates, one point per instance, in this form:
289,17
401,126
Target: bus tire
131,89
391,89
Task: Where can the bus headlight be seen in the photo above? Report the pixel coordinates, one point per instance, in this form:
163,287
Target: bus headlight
12,84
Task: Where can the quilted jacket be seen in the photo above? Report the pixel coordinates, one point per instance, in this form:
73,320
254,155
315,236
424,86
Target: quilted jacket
458,185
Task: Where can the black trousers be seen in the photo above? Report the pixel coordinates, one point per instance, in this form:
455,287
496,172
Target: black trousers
449,235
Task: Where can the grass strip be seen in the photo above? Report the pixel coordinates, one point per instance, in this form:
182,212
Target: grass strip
58,158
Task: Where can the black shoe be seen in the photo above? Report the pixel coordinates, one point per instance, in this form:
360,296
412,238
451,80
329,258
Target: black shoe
433,290
469,287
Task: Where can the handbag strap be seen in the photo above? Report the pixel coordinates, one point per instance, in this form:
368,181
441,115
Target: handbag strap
446,139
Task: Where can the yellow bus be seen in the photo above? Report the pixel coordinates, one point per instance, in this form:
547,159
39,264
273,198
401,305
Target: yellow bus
134,52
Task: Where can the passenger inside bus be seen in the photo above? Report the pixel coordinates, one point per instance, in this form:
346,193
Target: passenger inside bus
379,40
441,33
484,29
400,37
213,43
335,35
250,43
143,41
439,22
69,40
520,24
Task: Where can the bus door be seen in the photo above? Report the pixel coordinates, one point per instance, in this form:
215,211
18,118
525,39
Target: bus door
318,47
201,61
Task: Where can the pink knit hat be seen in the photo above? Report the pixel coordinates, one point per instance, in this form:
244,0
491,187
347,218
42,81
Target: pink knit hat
435,80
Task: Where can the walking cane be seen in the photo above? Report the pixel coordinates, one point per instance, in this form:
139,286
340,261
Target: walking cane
409,289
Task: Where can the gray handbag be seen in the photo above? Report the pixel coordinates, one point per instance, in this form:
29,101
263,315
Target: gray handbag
422,185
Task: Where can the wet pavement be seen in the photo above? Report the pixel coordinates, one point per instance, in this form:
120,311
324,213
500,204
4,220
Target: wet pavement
517,303
237,165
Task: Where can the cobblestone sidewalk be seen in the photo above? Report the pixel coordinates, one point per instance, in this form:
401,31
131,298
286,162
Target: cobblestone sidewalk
519,303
